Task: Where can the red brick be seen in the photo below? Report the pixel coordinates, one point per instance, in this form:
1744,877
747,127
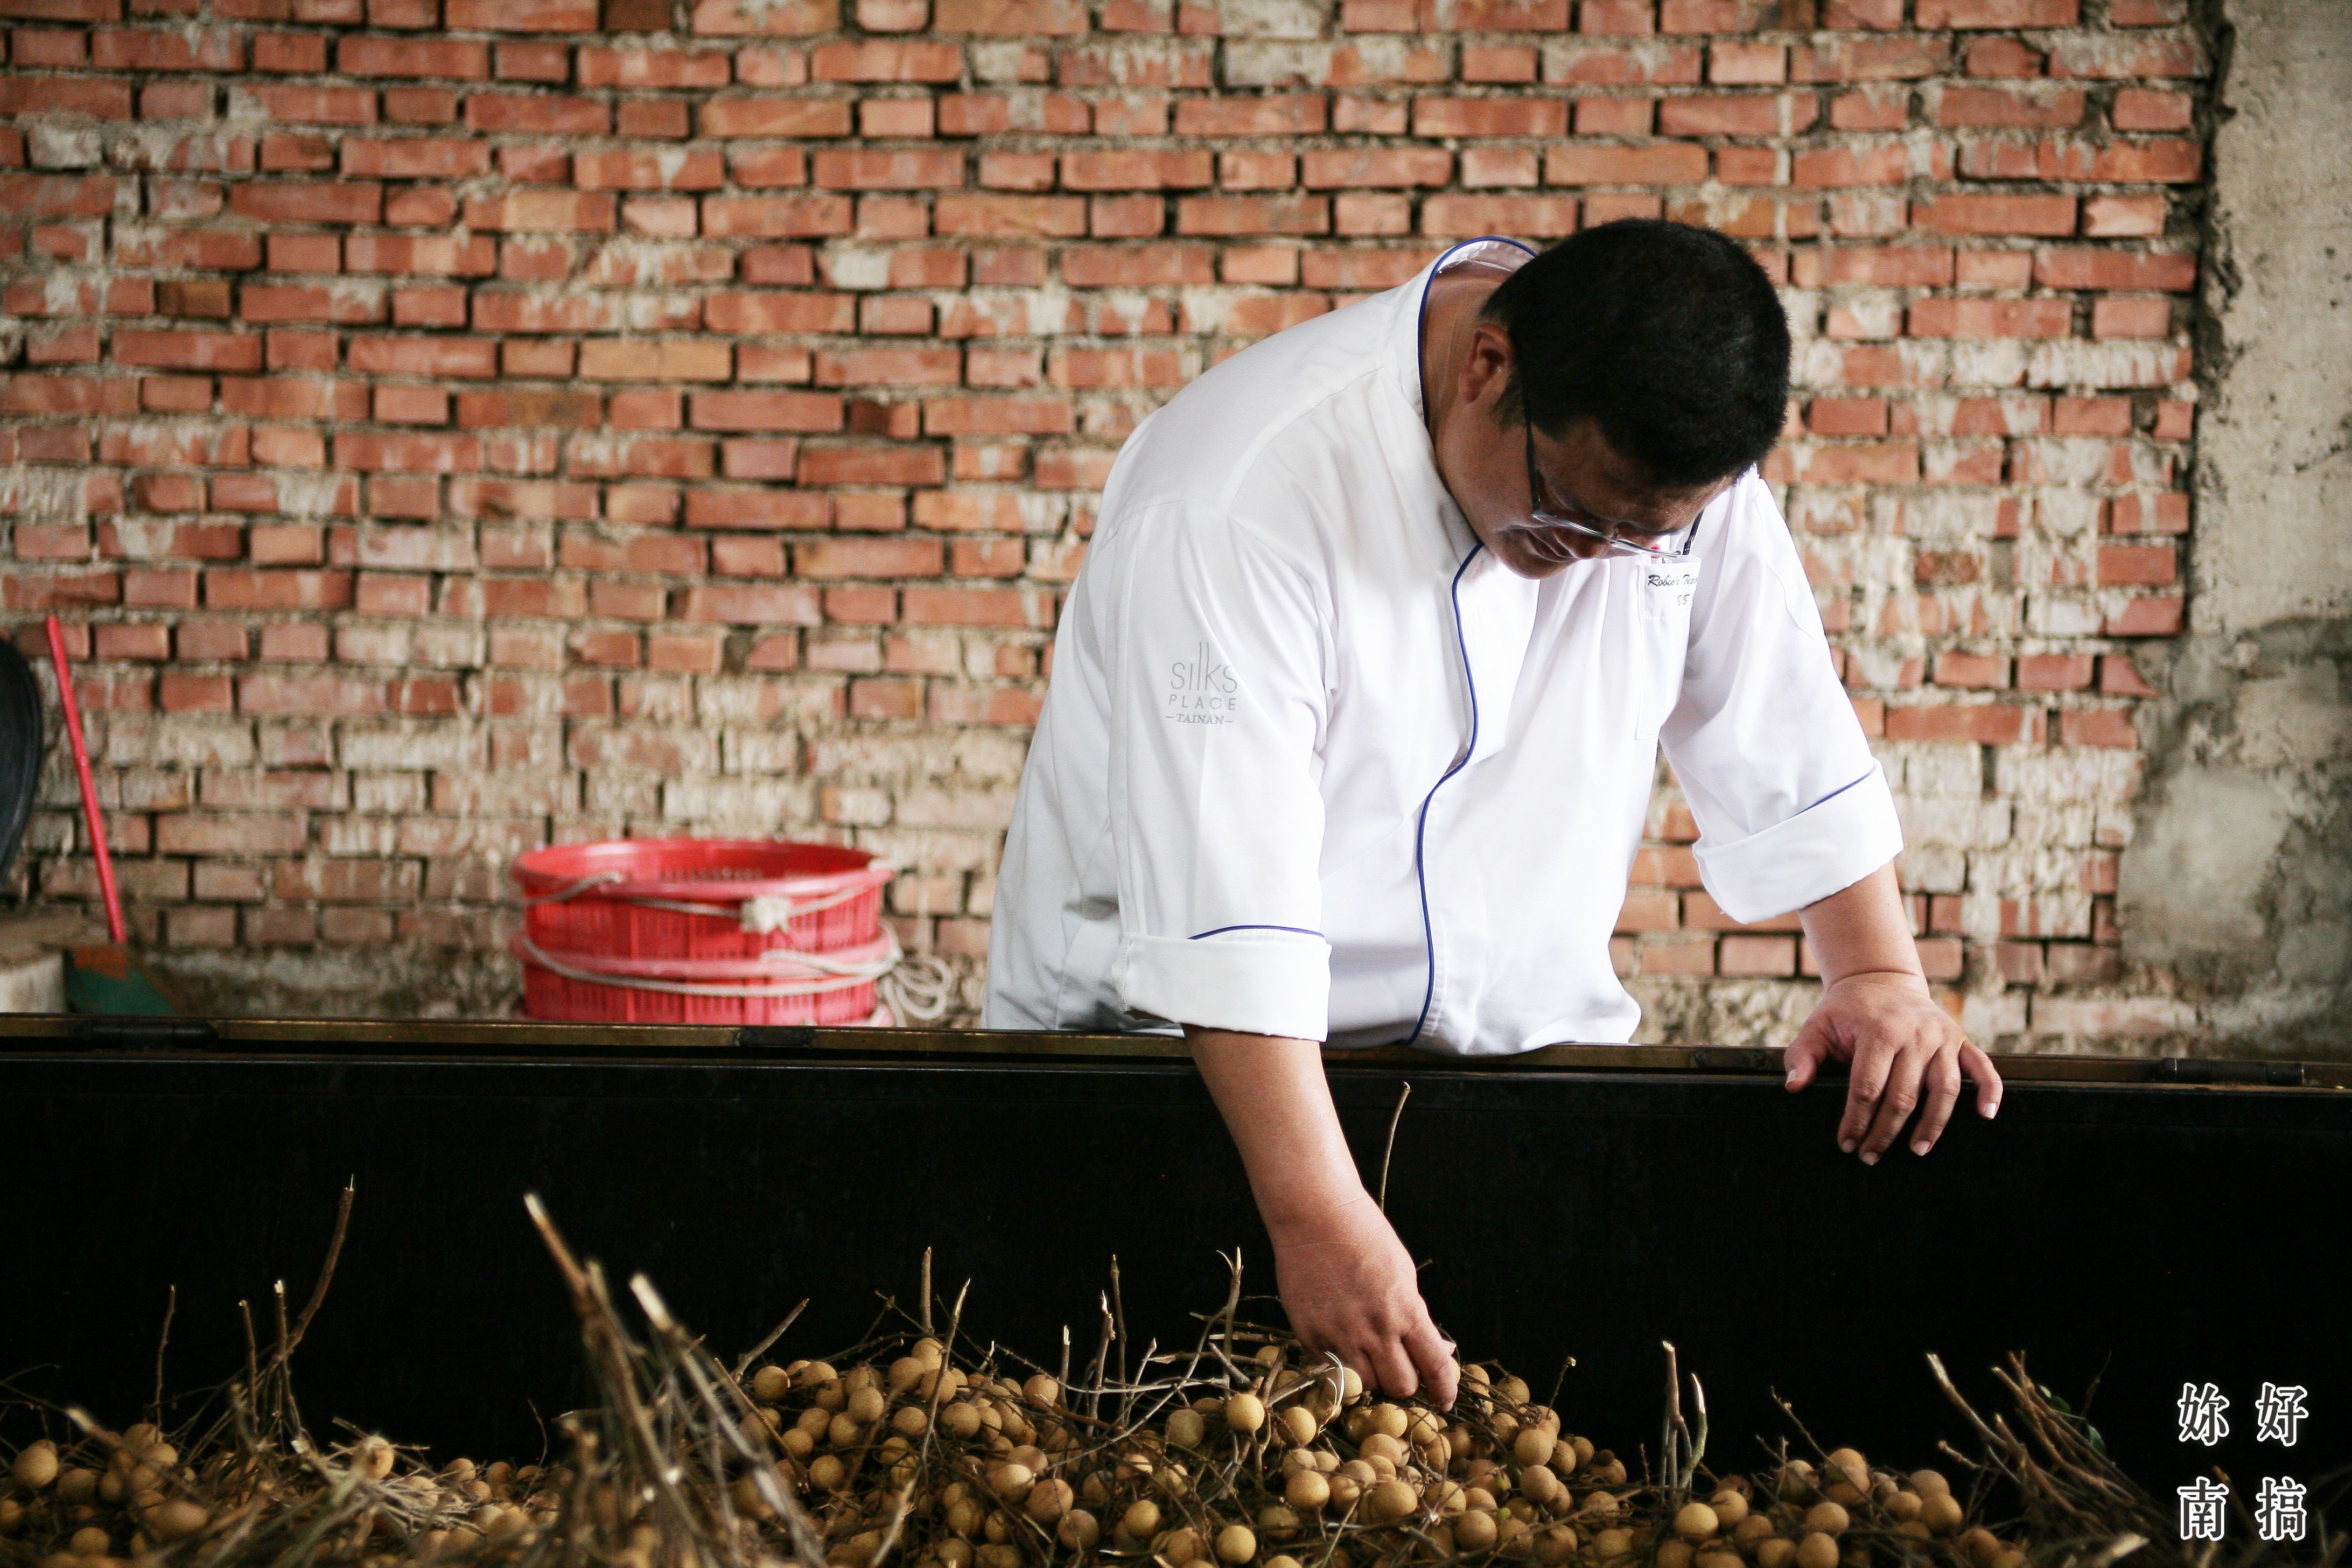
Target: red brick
1489,117
1941,14
1975,213
887,60
2089,268
1360,168
2097,727
869,169
796,411
2136,566
1292,114
1664,164
1991,724
773,116
1965,317
1135,170
458,59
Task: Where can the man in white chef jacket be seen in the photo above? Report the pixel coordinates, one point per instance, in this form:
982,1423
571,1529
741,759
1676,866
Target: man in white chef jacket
1356,706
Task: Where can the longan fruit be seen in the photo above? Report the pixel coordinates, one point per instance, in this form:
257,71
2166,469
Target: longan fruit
1186,1429
1554,1543
36,1465
1695,1521
1676,1554
1079,1530
1731,1507
1827,1519
1940,1514
1244,1413
1306,1490
1048,1500
1141,1518
1391,1500
1474,1531
1776,1552
1818,1550
1930,1483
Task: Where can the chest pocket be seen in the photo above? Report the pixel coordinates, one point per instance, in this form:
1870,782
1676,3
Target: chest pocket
1661,593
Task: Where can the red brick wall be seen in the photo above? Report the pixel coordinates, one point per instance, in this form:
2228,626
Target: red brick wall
449,426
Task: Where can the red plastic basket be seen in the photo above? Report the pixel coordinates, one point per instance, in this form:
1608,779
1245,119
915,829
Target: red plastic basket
616,886
650,991
666,931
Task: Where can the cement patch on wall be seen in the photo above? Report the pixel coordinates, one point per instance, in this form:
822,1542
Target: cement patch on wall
2239,878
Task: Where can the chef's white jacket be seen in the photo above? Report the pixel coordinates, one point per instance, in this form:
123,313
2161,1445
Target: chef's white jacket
1314,764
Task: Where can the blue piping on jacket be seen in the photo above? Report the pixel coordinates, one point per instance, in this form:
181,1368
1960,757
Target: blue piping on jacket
1297,931
1421,821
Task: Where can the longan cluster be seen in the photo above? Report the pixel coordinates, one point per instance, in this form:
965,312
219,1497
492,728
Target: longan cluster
1279,1466
113,1499
1241,1461
1843,1515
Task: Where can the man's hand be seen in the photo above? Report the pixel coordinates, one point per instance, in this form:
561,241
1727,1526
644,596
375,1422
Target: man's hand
1906,1054
1346,1281
1877,1015
1349,1288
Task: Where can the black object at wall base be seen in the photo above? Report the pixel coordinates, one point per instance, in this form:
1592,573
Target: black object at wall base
2146,1236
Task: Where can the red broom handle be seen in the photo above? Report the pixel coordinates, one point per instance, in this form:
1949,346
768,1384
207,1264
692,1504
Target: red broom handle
89,790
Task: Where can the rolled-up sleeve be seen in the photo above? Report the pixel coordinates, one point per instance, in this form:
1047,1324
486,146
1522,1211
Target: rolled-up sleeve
1218,698
1790,803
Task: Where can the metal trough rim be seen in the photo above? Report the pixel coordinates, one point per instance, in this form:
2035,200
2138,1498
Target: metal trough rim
526,1040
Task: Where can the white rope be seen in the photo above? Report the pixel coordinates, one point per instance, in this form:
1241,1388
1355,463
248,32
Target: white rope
919,991
574,889
759,914
841,976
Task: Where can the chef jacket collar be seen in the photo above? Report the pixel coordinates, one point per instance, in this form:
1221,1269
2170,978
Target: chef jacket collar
1457,540
1404,332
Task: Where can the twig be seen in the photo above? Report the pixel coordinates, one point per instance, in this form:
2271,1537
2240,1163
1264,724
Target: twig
1388,1150
744,1362
162,1343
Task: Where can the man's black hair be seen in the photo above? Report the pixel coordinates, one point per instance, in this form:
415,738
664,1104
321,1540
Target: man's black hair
1670,336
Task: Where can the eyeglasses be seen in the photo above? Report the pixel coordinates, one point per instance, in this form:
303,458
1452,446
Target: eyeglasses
1542,521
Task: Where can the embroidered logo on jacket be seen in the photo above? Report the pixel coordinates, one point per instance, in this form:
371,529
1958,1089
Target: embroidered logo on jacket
1201,690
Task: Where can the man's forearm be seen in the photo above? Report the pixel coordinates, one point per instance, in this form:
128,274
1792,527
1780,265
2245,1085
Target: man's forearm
1277,1105
1862,930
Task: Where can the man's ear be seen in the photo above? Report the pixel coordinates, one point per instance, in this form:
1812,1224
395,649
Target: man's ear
1486,368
